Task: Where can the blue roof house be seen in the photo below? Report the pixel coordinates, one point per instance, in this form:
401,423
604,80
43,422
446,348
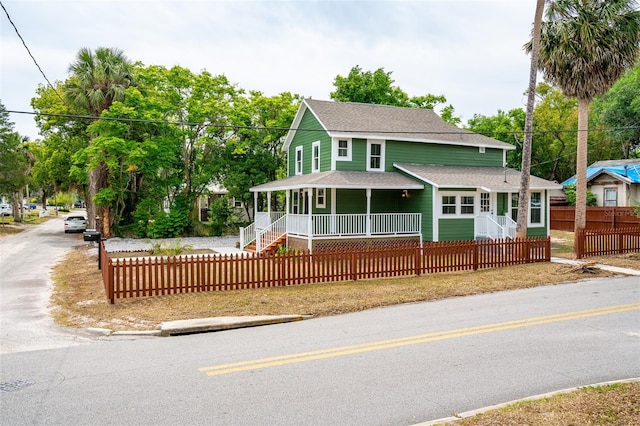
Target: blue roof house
613,182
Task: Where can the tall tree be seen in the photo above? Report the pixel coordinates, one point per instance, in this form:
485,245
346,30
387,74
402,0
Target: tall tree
14,163
97,80
523,198
585,46
377,87
619,108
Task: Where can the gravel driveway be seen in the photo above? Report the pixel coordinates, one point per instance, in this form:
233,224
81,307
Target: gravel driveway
226,244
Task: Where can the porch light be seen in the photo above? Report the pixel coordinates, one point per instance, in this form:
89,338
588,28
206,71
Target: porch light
405,193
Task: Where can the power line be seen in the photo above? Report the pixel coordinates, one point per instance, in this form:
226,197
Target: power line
29,51
237,127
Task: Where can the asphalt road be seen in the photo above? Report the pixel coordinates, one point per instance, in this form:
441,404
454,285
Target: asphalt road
392,366
26,260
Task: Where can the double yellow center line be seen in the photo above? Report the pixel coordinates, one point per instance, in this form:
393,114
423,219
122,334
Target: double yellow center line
411,340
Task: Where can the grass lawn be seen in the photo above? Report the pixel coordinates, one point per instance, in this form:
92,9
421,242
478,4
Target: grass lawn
615,404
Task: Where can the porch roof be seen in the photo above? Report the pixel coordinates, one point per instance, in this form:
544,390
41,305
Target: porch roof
342,179
489,179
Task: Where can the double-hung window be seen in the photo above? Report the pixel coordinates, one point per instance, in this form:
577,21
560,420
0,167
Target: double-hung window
315,157
466,204
535,209
298,160
448,204
320,198
375,155
342,149
610,197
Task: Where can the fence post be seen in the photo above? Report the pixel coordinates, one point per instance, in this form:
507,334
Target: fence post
354,276
620,243
110,282
418,260
476,248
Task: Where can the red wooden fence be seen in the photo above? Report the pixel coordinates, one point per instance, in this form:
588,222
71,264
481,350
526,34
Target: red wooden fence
600,242
562,217
154,276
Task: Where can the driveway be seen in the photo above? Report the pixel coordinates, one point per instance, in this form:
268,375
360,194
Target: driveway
26,260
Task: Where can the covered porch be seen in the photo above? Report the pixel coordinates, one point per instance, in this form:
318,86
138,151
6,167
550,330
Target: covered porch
336,205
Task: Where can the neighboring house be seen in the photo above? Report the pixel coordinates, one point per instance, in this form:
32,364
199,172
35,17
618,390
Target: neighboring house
363,171
212,193
613,182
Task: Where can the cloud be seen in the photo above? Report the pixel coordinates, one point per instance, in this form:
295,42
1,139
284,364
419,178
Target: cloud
469,51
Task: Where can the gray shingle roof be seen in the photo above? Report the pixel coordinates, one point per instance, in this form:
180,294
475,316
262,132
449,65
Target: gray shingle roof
342,179
491,179
395,123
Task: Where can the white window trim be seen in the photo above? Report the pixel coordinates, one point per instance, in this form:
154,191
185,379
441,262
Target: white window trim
299,163
320,205
458,195
295,202
604,197
334,151
382,150
315,169
543,209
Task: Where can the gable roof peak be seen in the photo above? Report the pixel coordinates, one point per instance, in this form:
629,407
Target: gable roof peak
388,122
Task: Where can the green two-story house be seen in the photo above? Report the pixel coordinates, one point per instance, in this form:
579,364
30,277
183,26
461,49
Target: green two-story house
364,171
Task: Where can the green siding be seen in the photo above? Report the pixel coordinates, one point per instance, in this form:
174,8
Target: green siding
351,201
306,139
385,201
327,202
358,157
431,153
455,229
537,232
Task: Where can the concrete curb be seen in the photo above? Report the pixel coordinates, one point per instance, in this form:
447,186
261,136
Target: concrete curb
203,325
467,414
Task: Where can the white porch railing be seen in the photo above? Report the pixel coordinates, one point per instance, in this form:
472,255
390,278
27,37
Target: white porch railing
272,233
264,219
247,235
508,225
495,227
341,225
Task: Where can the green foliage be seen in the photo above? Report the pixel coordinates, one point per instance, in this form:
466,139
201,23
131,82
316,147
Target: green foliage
504,126
570,194
377,88
14,163
619,108
168,249
219,215
284,250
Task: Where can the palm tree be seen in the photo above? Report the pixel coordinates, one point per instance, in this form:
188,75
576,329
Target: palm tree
585,47
97,80
523,199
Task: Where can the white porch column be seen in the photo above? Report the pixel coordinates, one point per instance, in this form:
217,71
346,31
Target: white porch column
255,206
334,191
287,197
310,219
368,220
269,202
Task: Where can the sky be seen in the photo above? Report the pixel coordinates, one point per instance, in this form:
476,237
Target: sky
470,51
